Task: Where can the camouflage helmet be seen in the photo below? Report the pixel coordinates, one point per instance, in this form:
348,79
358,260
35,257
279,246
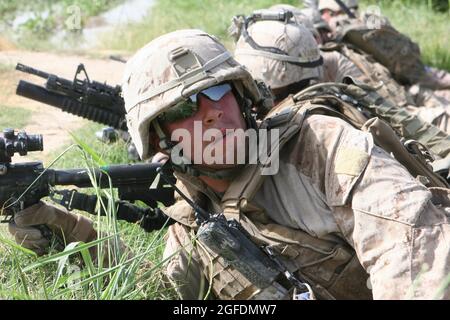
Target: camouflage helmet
286,7
299,16
334,6
171,68
279,53
309,17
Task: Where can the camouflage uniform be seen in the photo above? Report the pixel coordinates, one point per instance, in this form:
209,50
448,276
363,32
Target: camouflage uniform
340,208
297,41
394,50
346,193
336,67
431,106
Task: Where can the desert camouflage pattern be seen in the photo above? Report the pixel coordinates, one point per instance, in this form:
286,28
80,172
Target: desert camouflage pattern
285,36
336,67
372,73
316,19
387,46
375,35
303,16
435,106
398,236
152,83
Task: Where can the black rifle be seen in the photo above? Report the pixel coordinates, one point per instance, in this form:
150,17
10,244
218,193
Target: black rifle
24,184
91,100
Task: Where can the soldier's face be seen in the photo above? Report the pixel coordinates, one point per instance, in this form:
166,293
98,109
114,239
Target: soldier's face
327,15
222,116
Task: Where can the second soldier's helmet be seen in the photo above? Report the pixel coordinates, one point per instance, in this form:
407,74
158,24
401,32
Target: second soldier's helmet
280,52
171,68
310,17
303,16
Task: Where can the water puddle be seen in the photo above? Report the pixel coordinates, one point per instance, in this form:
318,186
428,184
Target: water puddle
130,11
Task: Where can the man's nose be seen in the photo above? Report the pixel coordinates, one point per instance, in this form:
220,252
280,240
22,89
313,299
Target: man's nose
212,115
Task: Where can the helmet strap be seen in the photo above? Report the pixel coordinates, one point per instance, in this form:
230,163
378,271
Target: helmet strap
186,166
164,143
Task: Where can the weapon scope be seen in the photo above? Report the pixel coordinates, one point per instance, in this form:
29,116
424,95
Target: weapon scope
20,143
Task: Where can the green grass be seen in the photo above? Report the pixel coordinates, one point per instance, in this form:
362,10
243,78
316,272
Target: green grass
23,275
213,16
10,8
13,117
109,153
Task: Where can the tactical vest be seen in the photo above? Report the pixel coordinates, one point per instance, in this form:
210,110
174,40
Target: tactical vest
330,267
386,45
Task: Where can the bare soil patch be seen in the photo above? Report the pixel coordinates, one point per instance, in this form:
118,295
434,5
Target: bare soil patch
54,124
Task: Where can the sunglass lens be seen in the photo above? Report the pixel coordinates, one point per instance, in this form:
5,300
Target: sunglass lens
213,93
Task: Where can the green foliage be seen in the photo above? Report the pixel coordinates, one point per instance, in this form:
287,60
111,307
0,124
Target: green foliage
107,153
13,117
10,7
430,28
72,274
46,17
213,16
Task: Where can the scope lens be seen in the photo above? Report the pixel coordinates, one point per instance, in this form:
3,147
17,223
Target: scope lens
35,142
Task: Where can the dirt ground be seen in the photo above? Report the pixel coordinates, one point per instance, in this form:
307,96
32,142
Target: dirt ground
54,124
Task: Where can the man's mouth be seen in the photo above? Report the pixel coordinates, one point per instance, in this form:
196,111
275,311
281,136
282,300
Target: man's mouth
224,133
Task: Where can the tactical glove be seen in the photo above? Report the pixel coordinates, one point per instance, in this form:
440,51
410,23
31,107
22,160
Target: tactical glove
67,226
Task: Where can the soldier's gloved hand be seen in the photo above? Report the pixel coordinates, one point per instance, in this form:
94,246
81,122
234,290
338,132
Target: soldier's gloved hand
68,226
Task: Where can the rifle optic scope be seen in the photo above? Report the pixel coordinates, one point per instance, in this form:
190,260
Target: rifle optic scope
21,143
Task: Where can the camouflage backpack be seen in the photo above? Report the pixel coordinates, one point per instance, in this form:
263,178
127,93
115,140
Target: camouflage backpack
386,45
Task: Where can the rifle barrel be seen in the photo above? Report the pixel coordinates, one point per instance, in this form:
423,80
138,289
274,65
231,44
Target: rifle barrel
30,70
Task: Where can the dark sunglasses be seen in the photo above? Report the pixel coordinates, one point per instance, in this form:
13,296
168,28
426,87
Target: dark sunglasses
189,107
